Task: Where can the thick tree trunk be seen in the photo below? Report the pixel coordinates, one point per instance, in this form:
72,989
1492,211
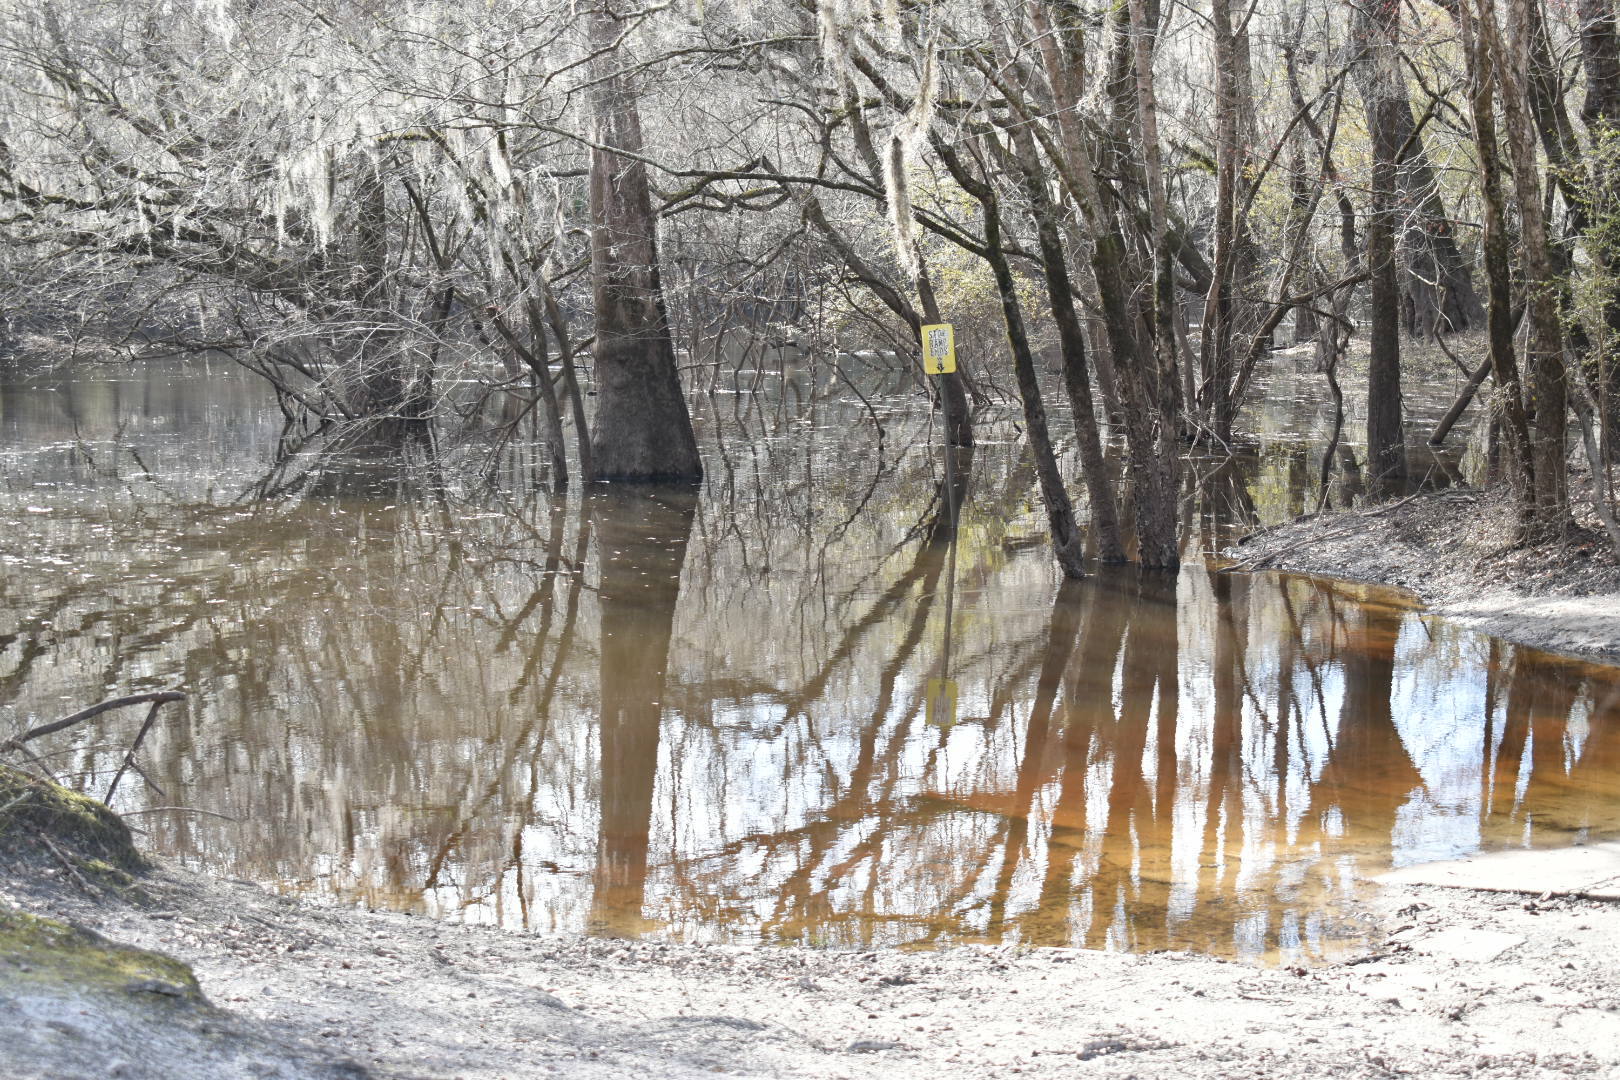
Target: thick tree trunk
1376,31
642,431
1144,31
379,391
1435,289
1215,357
1150,439
1150,431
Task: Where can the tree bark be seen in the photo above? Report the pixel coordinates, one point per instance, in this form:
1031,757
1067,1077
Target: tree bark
381,386
1067,545
1150,432
1499,320
1072,345
1216,353
1435,290
1600,58
1544,352
642,430
1377,24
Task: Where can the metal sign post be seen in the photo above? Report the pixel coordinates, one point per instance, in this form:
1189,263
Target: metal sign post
939,358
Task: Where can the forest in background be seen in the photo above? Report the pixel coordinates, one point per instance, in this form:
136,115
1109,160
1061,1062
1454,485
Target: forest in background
579,206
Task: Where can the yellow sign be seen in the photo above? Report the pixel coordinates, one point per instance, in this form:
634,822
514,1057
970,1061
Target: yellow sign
939,348
940,695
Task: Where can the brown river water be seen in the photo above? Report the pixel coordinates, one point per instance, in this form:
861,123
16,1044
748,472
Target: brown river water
741,714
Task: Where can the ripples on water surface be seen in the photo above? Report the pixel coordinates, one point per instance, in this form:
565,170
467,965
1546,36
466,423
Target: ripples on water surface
730,716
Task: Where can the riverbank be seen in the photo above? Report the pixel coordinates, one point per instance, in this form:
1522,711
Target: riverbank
1461,983
1453,551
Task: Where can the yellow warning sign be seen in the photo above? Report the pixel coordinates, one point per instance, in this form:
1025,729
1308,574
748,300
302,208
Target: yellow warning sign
940,695
939,348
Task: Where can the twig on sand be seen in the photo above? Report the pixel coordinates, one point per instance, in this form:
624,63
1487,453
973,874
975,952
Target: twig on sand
67,863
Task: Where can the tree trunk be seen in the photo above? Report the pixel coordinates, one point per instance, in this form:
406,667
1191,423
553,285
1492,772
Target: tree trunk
952,393
1600,56
1438,294
1435,290
1215,357
1544,353
1072,344
1066,540
1376,28
1150,433
381,383
642,431
953,396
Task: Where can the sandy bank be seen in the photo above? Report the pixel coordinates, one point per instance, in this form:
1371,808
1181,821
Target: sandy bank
1452,550
1463,983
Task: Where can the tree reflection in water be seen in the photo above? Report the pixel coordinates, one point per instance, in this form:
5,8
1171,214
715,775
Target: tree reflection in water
641,538
705,717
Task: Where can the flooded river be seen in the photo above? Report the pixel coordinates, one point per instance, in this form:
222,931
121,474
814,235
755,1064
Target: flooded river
743,714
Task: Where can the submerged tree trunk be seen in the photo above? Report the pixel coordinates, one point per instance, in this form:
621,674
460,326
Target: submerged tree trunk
952,392
642,431
1221,310
1150,427
379,388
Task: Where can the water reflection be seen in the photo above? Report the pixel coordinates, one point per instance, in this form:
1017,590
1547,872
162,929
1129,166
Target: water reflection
707,716
641,539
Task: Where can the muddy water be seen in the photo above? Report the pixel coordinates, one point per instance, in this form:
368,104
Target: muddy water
735,715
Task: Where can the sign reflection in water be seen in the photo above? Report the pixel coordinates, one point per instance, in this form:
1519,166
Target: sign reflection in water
642,714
